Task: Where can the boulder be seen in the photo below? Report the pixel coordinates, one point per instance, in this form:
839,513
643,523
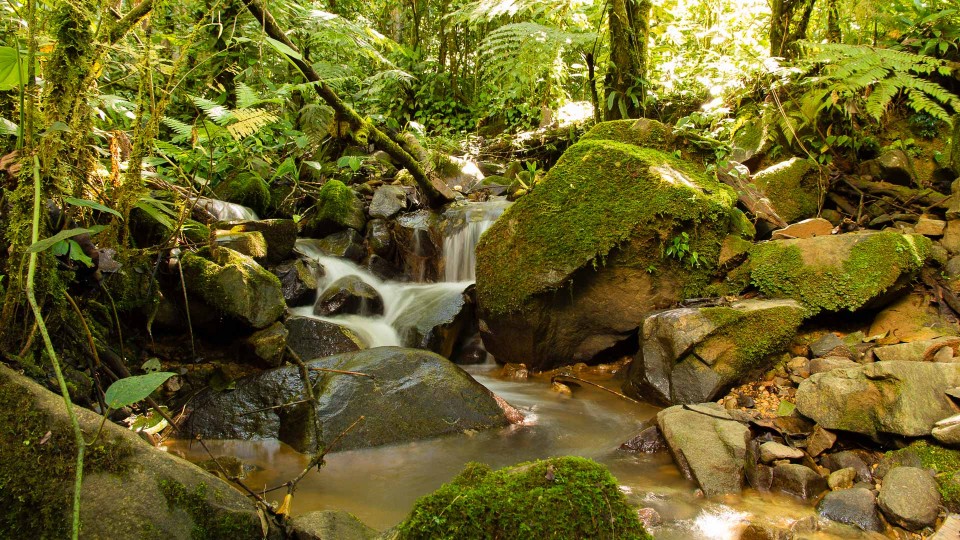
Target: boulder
844,272
251,244
440,321
694,355
947,431
771,451
404,395
945,462
562,497
857,507
388,201
347,244
298,281
892,166
708,446
337,209
572,268
829,363
414,234
898,398
130,489
349,295
247,189
909,498
380,238
382,268
235,285
267,346
312,338
791,187
798,480
807,228
280,235
330,525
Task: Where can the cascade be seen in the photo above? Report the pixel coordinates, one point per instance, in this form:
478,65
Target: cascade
467,222
226,211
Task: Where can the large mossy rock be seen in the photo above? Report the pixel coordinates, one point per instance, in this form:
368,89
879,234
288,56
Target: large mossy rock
246,189
338,208
564,497
405,395
235,285
280,235
692,355
792,188
572,268
895,397
844,272
944,462
707,444
130,489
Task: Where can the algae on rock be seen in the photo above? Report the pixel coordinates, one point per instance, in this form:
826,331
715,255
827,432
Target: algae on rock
791,187
337,209
564,497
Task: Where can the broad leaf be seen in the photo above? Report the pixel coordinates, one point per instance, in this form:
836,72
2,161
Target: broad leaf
91,204
13,72
133,389
283,49
47,243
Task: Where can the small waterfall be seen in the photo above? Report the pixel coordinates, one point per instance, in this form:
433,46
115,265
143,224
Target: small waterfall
225,211
404,303
466,224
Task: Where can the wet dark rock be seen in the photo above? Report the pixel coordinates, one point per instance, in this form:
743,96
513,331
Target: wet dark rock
855,506
470,351
267,346
298,281
387,201
708,449
347,244
892,166
848,459
380,238
311,338
798,480
441,322
909,498
279,234
406,395
758,475
382,268
648,441
330,525
349,295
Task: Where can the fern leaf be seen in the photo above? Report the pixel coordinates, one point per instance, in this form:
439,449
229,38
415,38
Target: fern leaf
183,130
879,98
214,111
249,121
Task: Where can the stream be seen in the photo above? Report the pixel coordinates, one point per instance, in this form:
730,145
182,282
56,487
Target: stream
380,485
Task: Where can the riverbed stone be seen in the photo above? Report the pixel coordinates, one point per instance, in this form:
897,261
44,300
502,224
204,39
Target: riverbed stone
856,507
842,478
403,395
909,498
830,363
807,228
347,244
380,238
848,459
947,431
542,293
330,525
387,201
312,338
298,281
798,480
709,448
693,355
897,398
251,244
130,489
820,441
444,320
349,295
844,272
235,285
771,451
279,235
267,346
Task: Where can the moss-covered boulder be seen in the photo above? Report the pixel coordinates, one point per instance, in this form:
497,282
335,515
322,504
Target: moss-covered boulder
693,355
337,208
130,489
235,285
250,244
280,235
838,273
408,394
944,462
884,398
792,188
613,232
246,189
564,497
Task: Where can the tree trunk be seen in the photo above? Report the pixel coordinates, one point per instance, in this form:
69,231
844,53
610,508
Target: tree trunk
789,20
625,83
833,22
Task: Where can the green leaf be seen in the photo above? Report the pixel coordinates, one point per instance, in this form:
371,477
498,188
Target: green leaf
13,72
77,254
46,243
133,389
282,48
7,127
92,204
786,408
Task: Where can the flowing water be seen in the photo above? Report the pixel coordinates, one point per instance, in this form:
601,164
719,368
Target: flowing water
380,485
225,211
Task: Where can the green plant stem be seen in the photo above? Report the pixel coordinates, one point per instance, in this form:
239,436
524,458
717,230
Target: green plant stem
48,344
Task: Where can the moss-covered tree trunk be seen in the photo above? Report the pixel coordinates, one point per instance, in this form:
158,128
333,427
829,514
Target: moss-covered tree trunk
629,22
833,22
789,20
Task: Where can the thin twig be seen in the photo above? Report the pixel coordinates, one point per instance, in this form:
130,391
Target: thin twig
235,479
340,371
573,378
292,403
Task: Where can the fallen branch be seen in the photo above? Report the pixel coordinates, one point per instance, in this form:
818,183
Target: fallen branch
342,372
573,378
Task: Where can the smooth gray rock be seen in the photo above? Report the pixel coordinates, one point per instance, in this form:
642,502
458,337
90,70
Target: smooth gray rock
330,525
909,498
798,480
349,295
312,338
899,398
857,506
771,451
708,449
387,201
407,395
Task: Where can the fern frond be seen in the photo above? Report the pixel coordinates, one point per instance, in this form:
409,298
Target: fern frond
247,97
183,130
880,98
249,121
214,111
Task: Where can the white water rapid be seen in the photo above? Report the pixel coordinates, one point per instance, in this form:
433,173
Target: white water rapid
466,224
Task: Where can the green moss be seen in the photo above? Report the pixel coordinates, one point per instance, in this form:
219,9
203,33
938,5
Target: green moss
599,195
196,503
873,265
337,208
35,503
791,187
247,189
944,461
755,334
566,497
643,132
133,285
